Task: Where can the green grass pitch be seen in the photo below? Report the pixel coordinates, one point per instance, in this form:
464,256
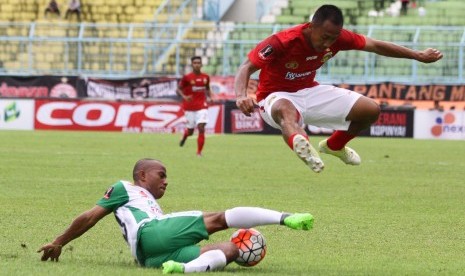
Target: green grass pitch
402,212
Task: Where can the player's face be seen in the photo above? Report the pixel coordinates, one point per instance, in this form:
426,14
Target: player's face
196,65
323,36
156,180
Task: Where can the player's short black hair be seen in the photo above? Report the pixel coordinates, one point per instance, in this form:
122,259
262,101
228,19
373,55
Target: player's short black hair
328,12
140,165
196,57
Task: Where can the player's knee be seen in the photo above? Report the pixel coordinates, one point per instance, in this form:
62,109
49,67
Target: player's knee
373,111
365,110
284,112
231,251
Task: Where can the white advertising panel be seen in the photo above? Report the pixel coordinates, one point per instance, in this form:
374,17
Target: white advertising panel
433,124
16,114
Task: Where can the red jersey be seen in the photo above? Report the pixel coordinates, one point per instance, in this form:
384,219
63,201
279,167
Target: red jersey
195,86
289,64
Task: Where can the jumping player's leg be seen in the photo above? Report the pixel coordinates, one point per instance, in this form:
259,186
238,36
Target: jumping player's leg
217,256
363,112
282,113
287,117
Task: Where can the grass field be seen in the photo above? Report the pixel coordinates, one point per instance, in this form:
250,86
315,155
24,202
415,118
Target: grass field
400,213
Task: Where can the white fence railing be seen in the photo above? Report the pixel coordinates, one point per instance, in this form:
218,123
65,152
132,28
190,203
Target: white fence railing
133,50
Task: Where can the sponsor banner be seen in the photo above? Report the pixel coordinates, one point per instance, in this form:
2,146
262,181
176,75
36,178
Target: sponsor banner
409,92
123,89
17,114
241,123
223,87
433,124
38,87
158,117
392,123
236,122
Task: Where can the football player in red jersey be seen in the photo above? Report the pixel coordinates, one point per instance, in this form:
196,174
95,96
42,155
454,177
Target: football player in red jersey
194,88
289,96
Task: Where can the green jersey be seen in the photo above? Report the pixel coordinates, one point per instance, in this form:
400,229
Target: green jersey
133,206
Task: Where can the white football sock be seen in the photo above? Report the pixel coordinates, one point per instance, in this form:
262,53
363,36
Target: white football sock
247,217
208,261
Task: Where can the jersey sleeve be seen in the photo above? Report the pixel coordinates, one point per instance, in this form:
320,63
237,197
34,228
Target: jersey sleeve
351,41
265,52
183,82
114,197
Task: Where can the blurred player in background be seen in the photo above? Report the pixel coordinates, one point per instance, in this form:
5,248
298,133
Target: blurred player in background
169,241
289,97
194,88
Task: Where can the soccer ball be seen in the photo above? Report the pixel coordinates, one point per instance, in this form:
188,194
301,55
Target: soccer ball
251,245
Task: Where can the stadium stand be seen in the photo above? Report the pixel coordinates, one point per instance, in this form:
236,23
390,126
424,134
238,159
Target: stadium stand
433,13
362,12
121,11
299,11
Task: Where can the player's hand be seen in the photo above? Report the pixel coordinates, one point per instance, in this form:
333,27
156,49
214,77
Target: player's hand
51,251
429,55
246,105
188,98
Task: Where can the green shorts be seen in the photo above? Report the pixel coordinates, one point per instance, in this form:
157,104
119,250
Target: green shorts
171,237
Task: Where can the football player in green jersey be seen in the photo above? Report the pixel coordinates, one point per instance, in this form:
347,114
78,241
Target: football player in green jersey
168,240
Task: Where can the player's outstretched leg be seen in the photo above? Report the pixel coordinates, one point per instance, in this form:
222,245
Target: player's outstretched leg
346,154
307,153
171,267
299,221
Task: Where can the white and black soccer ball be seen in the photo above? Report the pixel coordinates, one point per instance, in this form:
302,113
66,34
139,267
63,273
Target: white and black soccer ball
251,245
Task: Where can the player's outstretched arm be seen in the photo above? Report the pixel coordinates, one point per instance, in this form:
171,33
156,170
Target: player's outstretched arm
79,226
390,49
241,81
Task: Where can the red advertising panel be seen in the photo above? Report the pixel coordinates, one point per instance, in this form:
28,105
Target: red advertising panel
241,123
118,116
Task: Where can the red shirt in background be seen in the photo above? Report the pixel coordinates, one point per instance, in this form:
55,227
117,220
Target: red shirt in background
196,86
289,64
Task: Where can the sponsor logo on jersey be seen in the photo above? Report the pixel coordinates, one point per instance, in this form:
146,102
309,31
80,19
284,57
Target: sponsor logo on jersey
310,58
292,65
108,193
292,76
265,52
326,57
198,88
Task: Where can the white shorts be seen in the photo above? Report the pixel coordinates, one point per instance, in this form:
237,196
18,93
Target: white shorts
193,118
324,106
